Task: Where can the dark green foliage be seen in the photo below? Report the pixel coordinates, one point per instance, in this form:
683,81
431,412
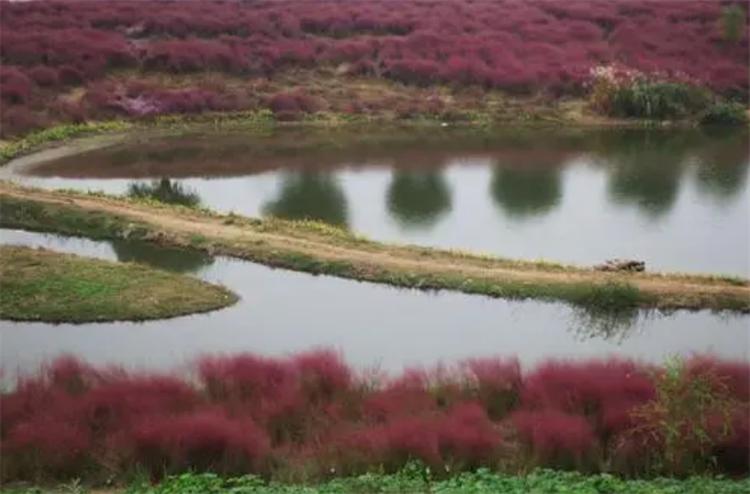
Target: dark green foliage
733,20
725,113
416,479
165,190
659,100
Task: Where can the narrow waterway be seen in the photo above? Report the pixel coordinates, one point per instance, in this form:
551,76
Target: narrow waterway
372,325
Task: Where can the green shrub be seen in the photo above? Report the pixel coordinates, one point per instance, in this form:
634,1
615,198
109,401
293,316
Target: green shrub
658,100
679,427
732,23
725,113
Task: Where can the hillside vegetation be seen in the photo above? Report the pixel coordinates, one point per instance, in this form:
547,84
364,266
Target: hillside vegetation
74,61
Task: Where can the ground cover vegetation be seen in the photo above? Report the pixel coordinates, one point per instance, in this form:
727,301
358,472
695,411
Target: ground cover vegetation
415,478
320,248
41,285
77,61
309,417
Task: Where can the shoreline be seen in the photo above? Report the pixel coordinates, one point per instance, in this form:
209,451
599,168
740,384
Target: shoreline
58,136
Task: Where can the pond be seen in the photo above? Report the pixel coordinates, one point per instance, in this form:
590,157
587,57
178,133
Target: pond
677,199
372,325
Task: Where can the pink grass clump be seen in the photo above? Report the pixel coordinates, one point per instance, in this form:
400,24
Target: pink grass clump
554,438
209,441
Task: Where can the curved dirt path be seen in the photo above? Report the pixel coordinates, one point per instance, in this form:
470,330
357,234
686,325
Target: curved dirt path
237,236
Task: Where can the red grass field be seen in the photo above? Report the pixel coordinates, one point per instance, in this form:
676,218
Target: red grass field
311,414
51,50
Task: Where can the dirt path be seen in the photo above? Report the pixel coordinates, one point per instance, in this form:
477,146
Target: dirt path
180,225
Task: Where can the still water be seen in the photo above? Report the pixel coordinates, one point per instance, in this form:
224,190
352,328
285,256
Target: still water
372,325
677,199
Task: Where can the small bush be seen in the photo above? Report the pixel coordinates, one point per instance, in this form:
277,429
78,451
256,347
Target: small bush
725,113
659,100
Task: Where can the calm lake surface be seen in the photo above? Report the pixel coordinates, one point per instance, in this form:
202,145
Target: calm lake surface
281,312
677,199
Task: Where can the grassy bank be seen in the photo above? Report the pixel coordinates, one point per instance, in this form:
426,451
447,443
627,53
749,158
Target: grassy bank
321,249
40,285
416,481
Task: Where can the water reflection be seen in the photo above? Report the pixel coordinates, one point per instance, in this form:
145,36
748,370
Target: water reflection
418,198
164,190
646,168
612,325
723,167
665,196
310,196
526,192
177,260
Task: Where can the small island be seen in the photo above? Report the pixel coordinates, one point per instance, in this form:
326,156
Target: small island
41,285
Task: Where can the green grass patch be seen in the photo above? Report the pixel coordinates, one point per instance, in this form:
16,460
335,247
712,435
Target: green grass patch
58,133
41,285
418,480
40,217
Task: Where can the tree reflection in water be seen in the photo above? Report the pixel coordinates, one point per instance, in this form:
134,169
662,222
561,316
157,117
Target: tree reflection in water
646,168
164,190
723,164
614,325
310,196
418,199
169,259
526,191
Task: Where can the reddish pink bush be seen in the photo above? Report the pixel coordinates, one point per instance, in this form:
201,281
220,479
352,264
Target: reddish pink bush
732,449
290,103
238,414
261,384
556,439
323,375
593,388
496,383
15,86
463,438
202,441
59,448
467,438
734,375
44,76
118,403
